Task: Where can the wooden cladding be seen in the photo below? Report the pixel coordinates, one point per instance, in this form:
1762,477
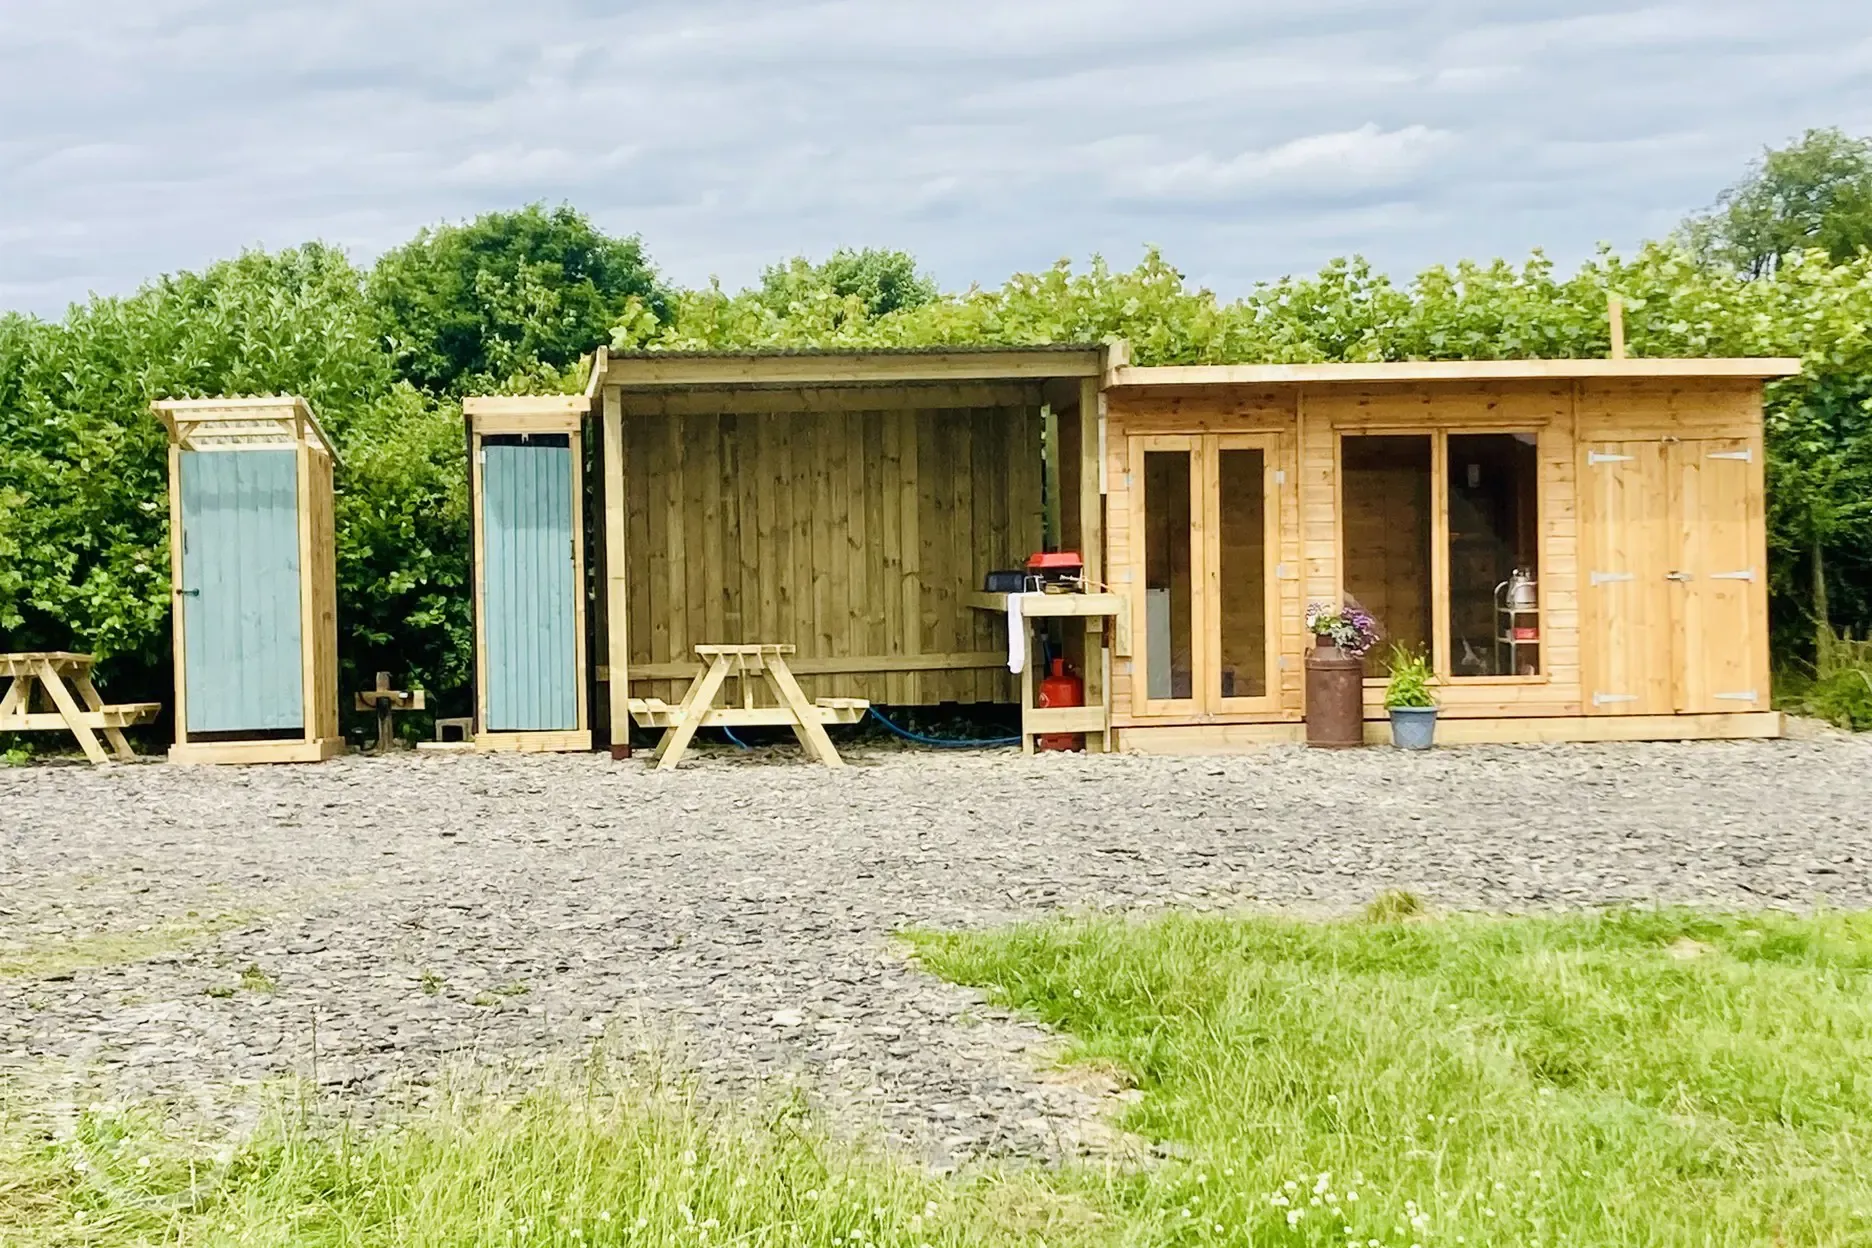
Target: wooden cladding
851,534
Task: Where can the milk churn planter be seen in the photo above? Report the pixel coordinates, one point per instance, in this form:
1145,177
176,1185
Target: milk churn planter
1335,674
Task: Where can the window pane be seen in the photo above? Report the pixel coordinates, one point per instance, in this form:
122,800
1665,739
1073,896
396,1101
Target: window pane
1243,574
1168,652
1493,533
1385,482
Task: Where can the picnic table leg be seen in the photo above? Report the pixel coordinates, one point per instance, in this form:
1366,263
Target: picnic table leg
88,692
695,705
806,726
18,696
62,698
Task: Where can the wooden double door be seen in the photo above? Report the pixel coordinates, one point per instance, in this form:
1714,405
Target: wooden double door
1206,625
1673,577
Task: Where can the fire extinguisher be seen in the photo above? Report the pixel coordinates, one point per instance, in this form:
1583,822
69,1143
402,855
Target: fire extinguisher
1062,688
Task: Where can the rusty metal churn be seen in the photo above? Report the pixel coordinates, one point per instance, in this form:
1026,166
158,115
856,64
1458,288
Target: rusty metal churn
1335,698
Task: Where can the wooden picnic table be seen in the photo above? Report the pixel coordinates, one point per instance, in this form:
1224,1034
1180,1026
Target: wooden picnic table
765,663
60,673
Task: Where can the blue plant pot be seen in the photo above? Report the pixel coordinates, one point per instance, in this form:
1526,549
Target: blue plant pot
1413,727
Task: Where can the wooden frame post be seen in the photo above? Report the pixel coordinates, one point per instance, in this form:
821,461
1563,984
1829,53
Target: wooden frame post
616,574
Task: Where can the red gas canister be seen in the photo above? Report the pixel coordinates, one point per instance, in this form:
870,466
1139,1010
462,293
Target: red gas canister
1062,688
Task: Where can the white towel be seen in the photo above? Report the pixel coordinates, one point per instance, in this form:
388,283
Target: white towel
1017,635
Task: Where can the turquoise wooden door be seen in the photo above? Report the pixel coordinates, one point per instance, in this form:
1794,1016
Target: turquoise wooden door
527,589
240,591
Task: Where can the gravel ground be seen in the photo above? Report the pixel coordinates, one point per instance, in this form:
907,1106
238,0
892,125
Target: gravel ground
420,912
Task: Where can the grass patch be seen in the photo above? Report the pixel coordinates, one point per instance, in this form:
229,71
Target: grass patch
66,955
1654,1078
615,1160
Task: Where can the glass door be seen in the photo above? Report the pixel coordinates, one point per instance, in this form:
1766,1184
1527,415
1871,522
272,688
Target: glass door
1166,472
1243,595
1208,621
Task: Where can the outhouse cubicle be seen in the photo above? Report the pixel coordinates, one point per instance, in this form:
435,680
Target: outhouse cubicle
253,572
527,500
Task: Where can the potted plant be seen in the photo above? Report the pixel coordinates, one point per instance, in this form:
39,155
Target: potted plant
1335,674
1410,700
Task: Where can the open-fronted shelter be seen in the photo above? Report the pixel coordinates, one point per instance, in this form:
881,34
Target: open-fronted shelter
844,503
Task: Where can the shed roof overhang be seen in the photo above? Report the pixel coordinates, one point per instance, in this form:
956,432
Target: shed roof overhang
672,370
1405,372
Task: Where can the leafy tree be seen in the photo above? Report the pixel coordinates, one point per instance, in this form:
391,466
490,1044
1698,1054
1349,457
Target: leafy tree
465,307
85,468
881,281
1815,193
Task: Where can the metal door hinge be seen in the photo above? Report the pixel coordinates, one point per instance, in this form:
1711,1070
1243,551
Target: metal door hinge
1596,457
1745,695
1679,577
1746,574
1603,699
1606,578
1747,457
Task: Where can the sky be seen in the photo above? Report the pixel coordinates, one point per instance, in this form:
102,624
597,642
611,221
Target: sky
1247,139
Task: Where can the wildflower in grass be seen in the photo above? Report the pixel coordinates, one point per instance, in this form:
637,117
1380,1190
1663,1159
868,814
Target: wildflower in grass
1294,1216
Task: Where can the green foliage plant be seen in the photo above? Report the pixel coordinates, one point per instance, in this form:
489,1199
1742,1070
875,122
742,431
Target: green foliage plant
463,307
1815,193
1411,680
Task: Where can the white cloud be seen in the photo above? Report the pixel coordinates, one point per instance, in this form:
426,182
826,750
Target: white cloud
1343,162
1246,137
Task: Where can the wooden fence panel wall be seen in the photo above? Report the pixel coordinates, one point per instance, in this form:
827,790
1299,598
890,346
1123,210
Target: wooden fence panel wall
852,535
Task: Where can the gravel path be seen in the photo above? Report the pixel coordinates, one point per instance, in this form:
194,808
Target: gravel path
501,910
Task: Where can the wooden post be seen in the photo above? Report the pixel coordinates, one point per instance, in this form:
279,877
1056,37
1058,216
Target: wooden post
1091,503
1615,313
617,583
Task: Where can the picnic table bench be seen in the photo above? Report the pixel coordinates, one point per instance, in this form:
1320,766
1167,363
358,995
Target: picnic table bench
59,673
716,664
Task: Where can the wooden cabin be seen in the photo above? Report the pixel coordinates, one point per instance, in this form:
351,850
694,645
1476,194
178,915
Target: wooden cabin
1628,492
844,503
253,566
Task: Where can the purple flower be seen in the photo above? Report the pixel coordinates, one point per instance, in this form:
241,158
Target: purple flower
1351,627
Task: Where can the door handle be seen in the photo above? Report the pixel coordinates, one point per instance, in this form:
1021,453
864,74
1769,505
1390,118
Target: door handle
188,593
1677,576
